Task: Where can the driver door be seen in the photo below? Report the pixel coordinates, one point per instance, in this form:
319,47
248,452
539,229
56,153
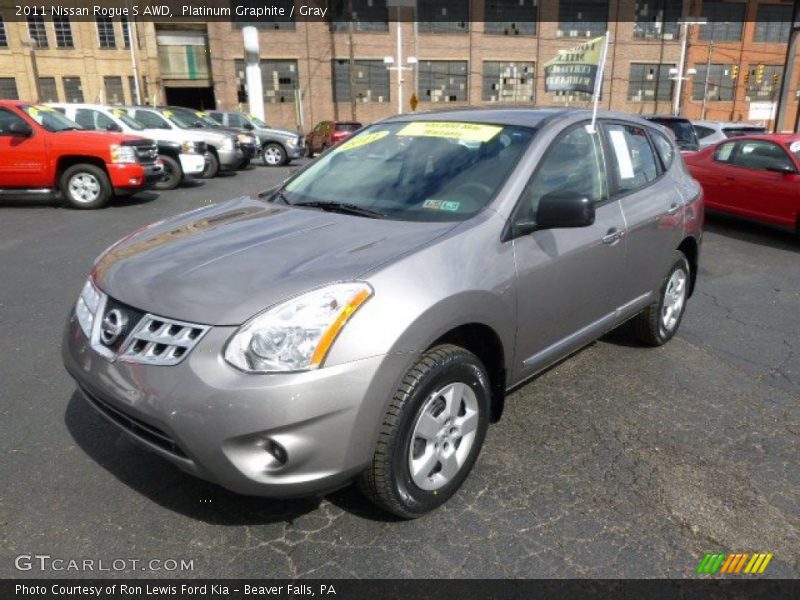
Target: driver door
23,157
568,280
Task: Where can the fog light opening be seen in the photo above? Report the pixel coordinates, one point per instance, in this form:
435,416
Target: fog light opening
277,451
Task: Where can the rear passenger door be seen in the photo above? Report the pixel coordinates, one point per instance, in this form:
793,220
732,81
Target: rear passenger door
568,280
650,202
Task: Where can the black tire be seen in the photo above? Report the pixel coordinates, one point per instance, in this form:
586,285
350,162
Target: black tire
173,174
91,175
648,326
212,166
245,162
273,155
388,481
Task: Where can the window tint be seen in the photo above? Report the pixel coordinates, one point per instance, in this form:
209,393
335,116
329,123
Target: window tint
724,152
151,120
235,120
93,119
664,148
573,163
6,119
703,132
633,156
740,131
217,116
756,154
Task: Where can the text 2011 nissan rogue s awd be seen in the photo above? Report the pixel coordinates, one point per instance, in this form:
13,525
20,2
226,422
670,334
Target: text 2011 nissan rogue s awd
364,320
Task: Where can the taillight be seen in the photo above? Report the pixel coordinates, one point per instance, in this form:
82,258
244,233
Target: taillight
339,135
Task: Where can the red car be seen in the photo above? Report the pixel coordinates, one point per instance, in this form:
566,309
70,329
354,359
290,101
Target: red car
328,133
754,176
45,155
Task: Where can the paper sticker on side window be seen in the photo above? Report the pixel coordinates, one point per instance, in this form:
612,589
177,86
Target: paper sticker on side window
472,132
622,153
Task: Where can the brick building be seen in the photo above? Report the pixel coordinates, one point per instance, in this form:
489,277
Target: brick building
487,51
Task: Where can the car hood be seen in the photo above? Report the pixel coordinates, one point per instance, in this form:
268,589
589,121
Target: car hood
223,264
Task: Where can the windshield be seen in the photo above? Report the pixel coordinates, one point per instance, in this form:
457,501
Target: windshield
49,118
257,122
180,121
123,116
414,171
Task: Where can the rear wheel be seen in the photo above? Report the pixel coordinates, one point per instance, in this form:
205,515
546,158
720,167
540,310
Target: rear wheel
432,433
273,155
212,166
85,186
657,323
173,174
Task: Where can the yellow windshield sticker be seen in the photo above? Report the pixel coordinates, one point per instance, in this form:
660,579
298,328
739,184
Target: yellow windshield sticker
168,113
363,140
471,132
200,113
118,112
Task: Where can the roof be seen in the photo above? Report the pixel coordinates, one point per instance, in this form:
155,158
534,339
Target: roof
724,123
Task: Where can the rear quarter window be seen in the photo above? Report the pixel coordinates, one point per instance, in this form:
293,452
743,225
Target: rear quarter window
664,147
724,152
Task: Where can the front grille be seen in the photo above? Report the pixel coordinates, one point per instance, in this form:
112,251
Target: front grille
161,341
146,151
139,428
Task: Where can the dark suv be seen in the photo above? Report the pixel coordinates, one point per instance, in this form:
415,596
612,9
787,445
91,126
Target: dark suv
682,129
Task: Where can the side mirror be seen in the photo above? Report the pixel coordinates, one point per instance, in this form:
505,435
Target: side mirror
113,127
199,124
249,126
20,128
559,210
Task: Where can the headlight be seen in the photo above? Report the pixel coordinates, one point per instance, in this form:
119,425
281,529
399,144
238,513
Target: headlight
86,307
292,141
297,334
245,138
122,154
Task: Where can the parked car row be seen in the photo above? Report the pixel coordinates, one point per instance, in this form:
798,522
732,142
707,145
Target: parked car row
84,153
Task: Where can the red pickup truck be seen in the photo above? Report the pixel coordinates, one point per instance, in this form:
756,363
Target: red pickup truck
43,154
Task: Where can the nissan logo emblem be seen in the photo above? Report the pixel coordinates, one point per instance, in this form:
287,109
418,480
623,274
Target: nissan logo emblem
112,326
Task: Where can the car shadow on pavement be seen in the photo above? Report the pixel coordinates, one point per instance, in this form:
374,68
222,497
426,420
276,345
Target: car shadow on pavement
751,232
166,485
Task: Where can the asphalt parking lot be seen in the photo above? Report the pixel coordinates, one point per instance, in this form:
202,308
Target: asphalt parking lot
619,462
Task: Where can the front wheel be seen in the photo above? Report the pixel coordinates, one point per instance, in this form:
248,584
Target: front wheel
432,433
657,323
173,174
212,166
85,186
273,155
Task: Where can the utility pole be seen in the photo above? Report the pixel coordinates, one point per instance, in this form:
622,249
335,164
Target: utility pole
396,64
788,69
352,60
680,75
705,83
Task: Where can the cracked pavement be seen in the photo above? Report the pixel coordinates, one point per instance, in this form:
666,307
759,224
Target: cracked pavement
621,461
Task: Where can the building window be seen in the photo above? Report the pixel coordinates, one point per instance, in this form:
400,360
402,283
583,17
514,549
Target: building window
73,90
764,81
725,21
443,81
278,79
656,19
368,15
113,88
649,82
721,83
105,32
371,79
3,34
63,30
37,31
8,89
505,81
443,16
773,23
126,38
47,89
582,18
510,17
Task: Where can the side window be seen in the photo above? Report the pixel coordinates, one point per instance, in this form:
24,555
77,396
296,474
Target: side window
106,123
664,148
217,116
573,163
7,118
761,155
235,120
85,118
724,152
632,156
151,120
703,132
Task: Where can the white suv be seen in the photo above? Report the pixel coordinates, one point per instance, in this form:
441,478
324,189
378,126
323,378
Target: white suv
181,157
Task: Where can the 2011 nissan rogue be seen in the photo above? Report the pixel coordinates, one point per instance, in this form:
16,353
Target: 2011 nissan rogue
364,320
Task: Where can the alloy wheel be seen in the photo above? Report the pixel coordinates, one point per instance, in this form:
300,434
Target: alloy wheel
84,188
674,300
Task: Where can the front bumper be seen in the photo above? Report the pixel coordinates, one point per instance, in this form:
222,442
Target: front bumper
134,177
295,151
230,159
220,424
193,164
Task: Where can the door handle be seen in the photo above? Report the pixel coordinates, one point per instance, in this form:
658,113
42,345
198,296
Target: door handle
612,236
674,209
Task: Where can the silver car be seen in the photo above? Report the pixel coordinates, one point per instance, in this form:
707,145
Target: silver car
364,320
710,133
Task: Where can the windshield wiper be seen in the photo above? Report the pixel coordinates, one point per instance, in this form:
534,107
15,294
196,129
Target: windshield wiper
343,208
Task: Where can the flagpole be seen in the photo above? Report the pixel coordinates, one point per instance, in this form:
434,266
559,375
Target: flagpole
598,84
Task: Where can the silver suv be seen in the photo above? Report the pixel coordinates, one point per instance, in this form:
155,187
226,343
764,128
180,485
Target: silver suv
276,146
364,320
